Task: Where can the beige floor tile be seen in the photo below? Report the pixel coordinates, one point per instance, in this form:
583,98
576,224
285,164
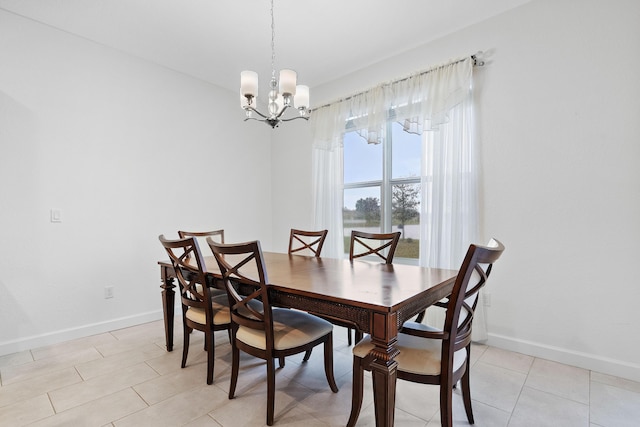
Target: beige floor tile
203,421
296,417
234,412
328,407
616,381
496,386
404,419
147,332
23,390
98,412
420,400
562,380
477,350
537,408
122,346
40,367
97,387
166,386
119,361
127,378
484,415
613,406
507,359
26,411
177,410
72,346
15,359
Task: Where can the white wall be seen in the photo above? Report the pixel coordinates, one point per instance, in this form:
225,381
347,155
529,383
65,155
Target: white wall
560,141
126,150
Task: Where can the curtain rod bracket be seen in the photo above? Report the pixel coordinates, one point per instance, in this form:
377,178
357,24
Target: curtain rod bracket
478,61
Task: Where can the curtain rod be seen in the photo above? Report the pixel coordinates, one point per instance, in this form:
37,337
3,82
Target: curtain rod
477,62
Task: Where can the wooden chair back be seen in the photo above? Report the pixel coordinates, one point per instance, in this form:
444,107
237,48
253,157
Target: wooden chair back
381,244
299,241
190,270
245,279
472,276
201,236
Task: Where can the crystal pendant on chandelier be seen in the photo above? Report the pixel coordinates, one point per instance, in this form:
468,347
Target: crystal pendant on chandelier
282,93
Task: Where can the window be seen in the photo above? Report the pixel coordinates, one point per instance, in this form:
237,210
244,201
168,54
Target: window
382,187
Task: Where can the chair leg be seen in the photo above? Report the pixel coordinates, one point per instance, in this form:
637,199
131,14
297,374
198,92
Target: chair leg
446,407
209,346
271,390
356,391
235,367
465,388
186,331
307,355
420,316
328,363
349,336
281,362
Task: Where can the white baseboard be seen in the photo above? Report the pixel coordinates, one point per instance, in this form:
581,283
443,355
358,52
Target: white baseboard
56,337
592,362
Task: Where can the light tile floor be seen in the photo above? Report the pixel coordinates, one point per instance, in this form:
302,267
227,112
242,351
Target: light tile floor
126,378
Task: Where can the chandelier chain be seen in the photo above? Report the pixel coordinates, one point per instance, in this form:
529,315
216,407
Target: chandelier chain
273,44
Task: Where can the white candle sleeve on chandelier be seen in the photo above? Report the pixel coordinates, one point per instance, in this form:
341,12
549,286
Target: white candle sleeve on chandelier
249,83
301,98
288,82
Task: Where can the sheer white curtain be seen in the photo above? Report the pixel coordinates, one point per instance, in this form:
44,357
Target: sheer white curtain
438,104
449,209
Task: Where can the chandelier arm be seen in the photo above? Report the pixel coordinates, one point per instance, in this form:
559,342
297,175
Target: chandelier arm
253,118
255,111
284,108
294,118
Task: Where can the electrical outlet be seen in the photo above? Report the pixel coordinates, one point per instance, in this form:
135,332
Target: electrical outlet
486,300
108,291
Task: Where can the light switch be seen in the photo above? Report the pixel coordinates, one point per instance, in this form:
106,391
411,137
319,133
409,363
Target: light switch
56,215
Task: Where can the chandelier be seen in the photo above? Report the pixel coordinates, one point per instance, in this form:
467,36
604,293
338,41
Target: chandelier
281,95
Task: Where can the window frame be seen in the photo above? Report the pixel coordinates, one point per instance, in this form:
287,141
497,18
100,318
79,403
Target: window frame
386,183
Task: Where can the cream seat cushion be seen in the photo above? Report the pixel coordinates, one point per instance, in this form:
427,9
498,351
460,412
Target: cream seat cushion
417,355
221,313
291,328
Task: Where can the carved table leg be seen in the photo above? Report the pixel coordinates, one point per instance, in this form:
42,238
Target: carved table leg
384,368
168,304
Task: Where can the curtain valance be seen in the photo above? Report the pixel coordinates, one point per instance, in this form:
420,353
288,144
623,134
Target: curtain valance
421,101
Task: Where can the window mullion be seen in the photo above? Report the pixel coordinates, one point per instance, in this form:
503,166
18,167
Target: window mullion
386,193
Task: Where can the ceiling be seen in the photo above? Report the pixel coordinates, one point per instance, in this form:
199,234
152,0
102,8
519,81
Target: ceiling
214,40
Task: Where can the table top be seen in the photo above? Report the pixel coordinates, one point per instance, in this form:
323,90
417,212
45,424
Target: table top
372,285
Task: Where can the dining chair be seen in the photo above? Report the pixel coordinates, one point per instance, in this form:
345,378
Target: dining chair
259,329
201,237
201,310
299,241
364,244
431,356
382,245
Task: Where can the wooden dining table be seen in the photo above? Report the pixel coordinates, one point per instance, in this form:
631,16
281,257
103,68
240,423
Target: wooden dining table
377,298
